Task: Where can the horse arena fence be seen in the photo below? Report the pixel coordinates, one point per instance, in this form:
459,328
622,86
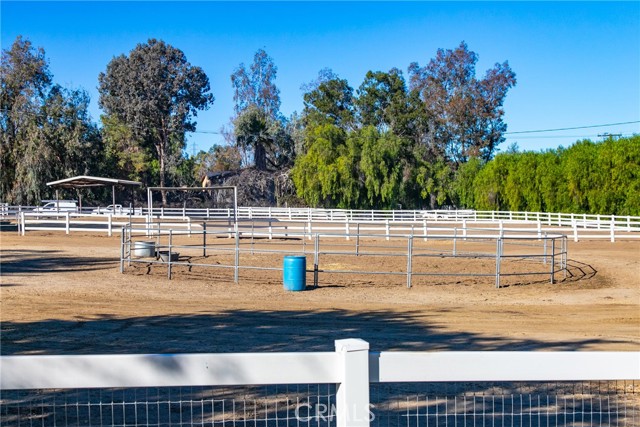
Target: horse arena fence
349,387
577,226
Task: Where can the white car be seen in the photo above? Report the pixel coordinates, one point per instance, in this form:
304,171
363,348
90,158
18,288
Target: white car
109,209
117,210
57,206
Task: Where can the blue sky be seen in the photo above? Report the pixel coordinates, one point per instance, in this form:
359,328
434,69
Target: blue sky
577,63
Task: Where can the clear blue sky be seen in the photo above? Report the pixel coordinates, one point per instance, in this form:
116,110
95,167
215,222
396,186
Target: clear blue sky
577,63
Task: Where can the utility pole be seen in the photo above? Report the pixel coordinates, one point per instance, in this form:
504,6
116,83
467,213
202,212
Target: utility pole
607,135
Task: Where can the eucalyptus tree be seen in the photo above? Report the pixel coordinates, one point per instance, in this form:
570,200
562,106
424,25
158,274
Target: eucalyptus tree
464,113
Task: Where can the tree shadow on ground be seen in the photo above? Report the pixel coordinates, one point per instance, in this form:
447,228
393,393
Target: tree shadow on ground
271,406
49,261
257,331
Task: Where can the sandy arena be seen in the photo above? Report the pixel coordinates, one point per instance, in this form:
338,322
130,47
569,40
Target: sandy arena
64,294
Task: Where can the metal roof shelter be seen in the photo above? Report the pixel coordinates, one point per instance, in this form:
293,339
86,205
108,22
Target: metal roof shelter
84,181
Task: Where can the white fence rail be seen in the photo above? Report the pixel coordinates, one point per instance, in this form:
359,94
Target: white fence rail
593,221
351,367
579,226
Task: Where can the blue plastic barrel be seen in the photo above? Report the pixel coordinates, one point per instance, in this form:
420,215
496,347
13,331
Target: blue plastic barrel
294,272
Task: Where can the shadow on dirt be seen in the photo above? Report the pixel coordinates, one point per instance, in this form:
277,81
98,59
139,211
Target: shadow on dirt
439,404
49,261
577,270
256,331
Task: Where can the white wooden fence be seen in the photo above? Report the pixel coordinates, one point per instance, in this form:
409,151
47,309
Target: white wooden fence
352,367
578,226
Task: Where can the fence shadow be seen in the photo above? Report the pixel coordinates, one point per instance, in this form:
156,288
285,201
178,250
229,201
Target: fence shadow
577,270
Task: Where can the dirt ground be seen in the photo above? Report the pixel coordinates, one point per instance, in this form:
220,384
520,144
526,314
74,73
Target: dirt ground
64,294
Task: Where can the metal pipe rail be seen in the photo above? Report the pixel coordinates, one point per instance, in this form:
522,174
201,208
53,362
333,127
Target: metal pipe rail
541,249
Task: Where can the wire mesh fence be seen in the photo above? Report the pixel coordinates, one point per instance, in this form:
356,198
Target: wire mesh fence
592,403
266,406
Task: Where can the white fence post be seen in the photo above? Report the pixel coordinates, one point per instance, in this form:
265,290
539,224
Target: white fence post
424,229
464,229
110,228
613,229
352,396
67,225
386,227
575,231
23,223
346,228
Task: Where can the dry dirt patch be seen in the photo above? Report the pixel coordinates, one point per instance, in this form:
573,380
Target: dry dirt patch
64,294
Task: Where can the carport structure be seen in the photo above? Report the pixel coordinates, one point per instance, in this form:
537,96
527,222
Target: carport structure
83,181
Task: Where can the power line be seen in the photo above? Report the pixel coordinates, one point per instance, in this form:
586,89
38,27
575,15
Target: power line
568,136
571,128
212,132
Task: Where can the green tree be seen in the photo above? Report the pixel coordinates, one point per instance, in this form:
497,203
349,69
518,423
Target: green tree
551,182
265,136
464,113
463,183
219,158
625,175
330,102
383,102
490,183
156,93
47,133
126,154
380,167
72,142
258,126
24,82
580,173
317,173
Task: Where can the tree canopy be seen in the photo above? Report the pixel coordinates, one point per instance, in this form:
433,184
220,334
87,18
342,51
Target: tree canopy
154,94
258,126
47,132
427,141
464,112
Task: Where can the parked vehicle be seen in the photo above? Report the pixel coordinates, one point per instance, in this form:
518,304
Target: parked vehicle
57,206
448,214
117,210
